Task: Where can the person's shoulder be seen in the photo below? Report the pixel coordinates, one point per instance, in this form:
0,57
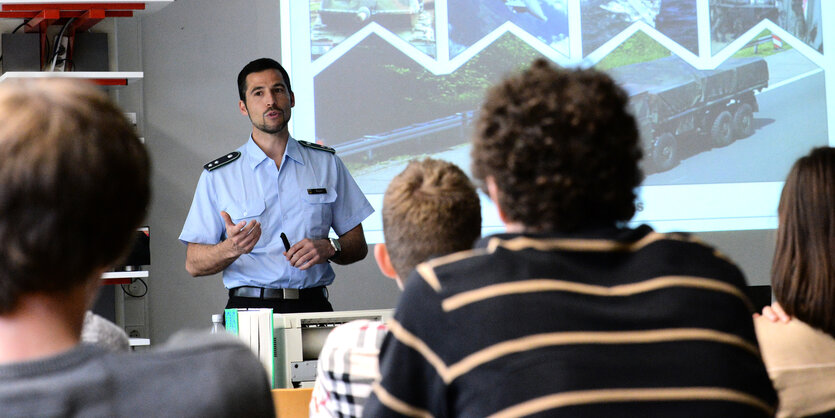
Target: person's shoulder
436,271
357,335
685,239
222,161
316,147
200,341
214,372
216,357
766,328
455,259
792,331
200,347
100,331
356,327
793,345
683,242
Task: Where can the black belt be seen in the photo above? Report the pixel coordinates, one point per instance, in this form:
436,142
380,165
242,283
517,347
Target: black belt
288,294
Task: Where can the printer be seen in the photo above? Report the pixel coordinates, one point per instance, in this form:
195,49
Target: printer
299,338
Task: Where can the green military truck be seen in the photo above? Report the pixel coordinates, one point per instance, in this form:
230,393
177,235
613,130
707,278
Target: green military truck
673,102
354,13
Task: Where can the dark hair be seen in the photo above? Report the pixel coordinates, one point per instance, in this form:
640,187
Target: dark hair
429,209
74,185
561,147
257,66
803,269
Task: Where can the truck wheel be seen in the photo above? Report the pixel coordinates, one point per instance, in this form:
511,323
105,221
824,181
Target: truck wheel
743,121
721,131
665,152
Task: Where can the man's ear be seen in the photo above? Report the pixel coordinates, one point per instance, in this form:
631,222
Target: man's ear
493,192
292,99
381,254
242,106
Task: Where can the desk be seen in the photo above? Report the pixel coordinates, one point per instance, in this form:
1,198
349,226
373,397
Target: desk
292,403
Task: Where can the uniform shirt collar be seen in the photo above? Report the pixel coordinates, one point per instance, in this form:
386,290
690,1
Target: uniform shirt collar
293,151
255,155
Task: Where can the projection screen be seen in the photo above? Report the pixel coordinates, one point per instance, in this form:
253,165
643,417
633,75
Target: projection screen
727,93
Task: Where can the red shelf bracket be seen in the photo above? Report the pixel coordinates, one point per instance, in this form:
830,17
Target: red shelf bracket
35,7
87,20
87,15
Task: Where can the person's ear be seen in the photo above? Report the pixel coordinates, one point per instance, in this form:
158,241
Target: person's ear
292,99
493,192
242,106
381,254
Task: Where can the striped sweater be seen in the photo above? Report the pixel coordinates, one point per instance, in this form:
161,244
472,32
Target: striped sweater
613,322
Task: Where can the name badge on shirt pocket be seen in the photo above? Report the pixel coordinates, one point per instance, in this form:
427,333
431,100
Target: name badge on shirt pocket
317,191
317,212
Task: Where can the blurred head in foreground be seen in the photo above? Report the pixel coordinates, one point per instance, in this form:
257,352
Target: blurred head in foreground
73,187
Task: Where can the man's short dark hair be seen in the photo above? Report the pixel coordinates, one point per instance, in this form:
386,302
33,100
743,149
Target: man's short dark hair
430,209
561,147
74,185
257,66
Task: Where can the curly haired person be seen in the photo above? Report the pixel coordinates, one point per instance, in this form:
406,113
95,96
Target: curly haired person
570,312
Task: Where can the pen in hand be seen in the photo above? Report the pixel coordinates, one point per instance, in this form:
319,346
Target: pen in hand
286,243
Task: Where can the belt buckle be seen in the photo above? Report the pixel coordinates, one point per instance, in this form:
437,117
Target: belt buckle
290,293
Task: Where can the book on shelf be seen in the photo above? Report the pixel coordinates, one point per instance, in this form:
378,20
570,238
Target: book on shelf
255,328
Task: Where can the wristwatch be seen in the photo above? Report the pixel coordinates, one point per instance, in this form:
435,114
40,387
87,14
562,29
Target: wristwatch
336,247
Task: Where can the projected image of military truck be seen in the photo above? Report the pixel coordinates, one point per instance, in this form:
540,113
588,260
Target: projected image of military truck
673,102
333,21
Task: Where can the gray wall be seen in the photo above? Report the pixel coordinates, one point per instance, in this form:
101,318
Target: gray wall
191,52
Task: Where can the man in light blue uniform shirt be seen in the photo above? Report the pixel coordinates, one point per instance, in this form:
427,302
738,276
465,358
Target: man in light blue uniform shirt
273,187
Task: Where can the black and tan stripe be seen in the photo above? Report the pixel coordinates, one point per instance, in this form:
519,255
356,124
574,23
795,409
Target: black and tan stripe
586,397
552,285
427,273
576,244
534,342
397,405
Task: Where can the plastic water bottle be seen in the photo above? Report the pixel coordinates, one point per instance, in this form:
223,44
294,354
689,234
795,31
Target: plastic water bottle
217,324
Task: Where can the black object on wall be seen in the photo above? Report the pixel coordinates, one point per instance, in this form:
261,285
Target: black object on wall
140,252
90,52
21,51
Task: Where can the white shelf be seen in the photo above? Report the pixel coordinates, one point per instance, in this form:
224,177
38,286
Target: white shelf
136,274
150,5
94,75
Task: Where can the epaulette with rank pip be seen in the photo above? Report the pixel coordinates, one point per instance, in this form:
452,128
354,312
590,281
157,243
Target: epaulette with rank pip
317,146
222,161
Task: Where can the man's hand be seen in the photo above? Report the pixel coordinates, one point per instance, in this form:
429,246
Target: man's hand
775,313
241,237
309,252
205,259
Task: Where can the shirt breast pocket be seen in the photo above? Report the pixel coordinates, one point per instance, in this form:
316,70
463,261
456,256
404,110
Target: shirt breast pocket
318,213
246,210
